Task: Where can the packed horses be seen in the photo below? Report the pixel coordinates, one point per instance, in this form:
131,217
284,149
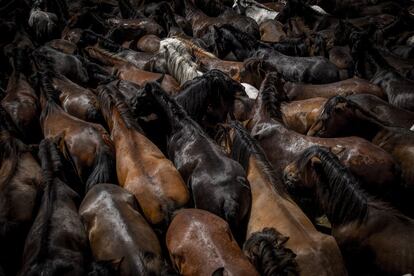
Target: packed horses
206,137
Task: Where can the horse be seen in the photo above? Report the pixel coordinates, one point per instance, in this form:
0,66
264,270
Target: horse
87,145
67,65
228,190
297,91
364,227
21,100
20,187
207,61
283,146
272,31
254,10
201,243
149,44
210,98
76,100
57,242
387,113
141,167
272,207
118,233
341,117
372,65
201,23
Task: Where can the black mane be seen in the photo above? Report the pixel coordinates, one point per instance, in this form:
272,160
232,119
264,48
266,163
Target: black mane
272,95
249,42
110,99
245,146
338,191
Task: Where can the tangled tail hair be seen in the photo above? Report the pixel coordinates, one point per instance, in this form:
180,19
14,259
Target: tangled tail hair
266,250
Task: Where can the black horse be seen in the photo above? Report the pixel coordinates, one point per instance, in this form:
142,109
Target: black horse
217,183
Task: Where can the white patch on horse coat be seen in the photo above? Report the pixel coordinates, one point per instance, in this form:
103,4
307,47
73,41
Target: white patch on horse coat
412,128
251,91
410,41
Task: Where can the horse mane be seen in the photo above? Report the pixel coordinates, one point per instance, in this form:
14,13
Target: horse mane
244,146
179,60
213,85
175,112
9,150
245,39
197,50
267,252
89,37
51,164
49,92
110,99
128,11
338,190
329,107
272,96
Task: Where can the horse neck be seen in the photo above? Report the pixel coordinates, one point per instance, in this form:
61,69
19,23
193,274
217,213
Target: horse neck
192,14
339,196
368,125
106,57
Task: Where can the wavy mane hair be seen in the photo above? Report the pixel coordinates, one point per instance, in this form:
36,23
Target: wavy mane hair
272,95
338,190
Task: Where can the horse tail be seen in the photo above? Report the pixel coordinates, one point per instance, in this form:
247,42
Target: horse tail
266,250
104,166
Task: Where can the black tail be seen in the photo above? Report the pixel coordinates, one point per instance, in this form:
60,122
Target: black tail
104,166
267,252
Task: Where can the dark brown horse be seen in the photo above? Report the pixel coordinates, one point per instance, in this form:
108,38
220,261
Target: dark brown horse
283,146
367,230
316,253
21,100
341,117
201,243
141,167
76,100
88,145
57,242
216,182
119,233
384,111
20,186
297,91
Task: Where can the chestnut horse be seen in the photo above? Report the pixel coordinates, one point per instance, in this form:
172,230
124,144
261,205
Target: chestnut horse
201,243
20,186
119,233
316,253
282,145
87,145
366,229
216,182
141,167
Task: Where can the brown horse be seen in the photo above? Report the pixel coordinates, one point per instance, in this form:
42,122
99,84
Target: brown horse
76,100
316,253
272,31
201,243
141,167
87,145
149,43
119,233
20,184
384,111
367,230
21,100
341,117
282,146
296,91
57,243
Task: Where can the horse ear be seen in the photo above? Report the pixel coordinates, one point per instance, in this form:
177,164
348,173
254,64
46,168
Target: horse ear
316,162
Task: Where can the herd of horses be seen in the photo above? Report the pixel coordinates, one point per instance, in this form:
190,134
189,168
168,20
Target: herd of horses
206,137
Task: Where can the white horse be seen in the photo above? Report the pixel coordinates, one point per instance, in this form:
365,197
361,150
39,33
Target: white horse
254,10
178,59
